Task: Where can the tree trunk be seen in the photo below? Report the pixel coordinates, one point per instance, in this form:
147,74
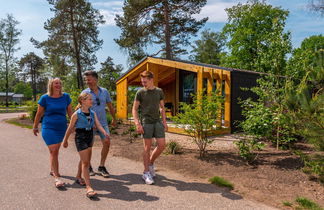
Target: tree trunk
76,53
7,82
168,50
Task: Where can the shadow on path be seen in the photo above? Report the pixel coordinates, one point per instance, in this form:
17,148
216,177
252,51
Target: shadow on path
117,187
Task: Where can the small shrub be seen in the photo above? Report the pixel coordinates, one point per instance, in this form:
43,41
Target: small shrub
247,147
173,148
287,203
308,204
219,181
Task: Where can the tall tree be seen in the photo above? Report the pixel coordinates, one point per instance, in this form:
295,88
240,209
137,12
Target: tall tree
166,23
257,40
9,34
31,65
109,73
73,35
309,56
209,48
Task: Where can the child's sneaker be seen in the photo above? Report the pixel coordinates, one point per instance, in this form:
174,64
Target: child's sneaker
147,178
152,170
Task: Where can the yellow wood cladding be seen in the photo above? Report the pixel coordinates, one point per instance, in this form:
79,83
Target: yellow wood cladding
122,100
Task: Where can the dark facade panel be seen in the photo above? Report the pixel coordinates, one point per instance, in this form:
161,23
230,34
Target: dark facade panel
239,80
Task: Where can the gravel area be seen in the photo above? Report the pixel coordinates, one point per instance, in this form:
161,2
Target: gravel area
222,142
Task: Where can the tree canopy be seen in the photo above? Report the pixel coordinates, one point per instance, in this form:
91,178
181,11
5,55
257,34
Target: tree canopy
209,48
73,35
165,23
257,40
9,34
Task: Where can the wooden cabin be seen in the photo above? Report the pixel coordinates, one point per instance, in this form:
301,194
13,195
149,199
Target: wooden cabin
179,79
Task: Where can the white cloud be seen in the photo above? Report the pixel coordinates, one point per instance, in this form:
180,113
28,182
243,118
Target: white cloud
108,4
109,10
215,11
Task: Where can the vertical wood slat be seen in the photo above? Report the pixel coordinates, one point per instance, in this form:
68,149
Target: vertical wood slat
122,99
227,113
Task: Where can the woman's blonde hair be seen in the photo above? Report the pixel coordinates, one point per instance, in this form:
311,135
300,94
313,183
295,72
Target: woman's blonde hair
50,86
82,96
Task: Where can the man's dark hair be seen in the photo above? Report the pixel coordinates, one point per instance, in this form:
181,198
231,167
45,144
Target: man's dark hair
91,73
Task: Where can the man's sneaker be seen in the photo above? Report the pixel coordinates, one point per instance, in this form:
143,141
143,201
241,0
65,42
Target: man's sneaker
103,171
91,172
152,170
147,178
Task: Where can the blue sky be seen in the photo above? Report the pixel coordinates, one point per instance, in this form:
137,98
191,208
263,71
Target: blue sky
33,13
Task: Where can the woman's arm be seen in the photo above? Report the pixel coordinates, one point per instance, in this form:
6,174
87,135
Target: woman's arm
39,114
70,129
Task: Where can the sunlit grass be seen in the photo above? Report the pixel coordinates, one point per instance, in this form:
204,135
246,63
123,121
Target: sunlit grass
219,181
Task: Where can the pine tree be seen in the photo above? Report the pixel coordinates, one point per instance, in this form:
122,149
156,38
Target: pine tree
73,35
166,23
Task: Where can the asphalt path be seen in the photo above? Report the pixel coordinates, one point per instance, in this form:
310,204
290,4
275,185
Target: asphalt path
25,182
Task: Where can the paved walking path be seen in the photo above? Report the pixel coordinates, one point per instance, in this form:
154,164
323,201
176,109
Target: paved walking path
25,182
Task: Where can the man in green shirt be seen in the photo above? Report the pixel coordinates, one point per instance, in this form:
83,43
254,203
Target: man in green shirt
150,101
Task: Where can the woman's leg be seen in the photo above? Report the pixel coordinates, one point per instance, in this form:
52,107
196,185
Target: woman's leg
54,152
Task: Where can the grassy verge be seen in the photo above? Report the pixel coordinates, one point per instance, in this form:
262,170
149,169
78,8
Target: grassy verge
15,122
219,181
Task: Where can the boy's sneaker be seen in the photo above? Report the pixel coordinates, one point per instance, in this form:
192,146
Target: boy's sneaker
148,178
103,171
152,170
91,172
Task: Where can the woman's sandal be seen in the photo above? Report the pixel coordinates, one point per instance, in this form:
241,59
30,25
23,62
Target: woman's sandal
80,181
91,194
58,183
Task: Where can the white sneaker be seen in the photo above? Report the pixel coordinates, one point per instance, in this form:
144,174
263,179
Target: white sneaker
147,178
152,170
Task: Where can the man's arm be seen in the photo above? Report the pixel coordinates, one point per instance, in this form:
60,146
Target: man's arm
112,113
138,125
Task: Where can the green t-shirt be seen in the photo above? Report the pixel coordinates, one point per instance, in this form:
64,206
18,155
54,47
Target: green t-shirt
149,104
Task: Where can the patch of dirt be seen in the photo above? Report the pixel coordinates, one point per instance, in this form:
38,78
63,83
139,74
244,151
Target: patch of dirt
274,178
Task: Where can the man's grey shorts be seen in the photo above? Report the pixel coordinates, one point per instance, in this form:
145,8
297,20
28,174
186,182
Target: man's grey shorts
97,132
155,130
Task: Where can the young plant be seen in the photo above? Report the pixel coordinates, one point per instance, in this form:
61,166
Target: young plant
173,148
247,148
199,118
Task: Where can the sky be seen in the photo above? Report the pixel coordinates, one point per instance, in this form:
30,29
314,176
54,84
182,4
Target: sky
32,14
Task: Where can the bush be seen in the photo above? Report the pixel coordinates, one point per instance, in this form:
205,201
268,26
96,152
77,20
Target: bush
173,148
247,147
32,109
313,165
199,118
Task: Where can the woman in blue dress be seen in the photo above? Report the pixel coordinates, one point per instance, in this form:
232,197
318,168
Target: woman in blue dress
53,107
